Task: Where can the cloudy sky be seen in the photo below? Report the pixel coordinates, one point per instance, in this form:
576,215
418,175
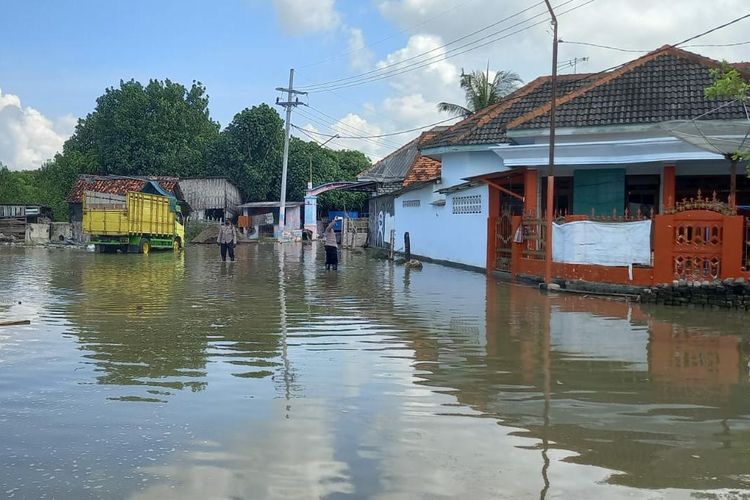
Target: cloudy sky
57,57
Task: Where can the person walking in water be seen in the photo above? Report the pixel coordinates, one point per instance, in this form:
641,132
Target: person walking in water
331,245
227,239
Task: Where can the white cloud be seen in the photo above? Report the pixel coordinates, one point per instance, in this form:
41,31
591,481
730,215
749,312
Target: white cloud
310,16
360,57
438,77
407,110
28,138
354,125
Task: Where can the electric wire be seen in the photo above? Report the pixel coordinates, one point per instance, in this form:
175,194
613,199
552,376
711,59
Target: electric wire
347,127
417,56
386,38
447,55
390,134
380,143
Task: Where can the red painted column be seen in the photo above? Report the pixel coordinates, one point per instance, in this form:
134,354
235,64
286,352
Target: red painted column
530,189
669,188
492,216
732,246
663,248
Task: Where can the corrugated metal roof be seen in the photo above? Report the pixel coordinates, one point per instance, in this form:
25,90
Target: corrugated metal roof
397,165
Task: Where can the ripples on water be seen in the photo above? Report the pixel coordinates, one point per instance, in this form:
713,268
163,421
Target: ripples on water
182,377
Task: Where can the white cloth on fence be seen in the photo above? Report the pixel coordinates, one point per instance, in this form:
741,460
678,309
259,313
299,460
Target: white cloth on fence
602,243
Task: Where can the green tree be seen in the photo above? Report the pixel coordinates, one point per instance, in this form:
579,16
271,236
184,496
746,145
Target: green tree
18,186
248,152
162,128
482,91
728,82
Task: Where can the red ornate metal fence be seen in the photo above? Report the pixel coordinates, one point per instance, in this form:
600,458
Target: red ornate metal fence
503,242
697,245
534,238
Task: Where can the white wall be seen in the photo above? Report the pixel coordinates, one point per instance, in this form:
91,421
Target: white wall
456,167
437,233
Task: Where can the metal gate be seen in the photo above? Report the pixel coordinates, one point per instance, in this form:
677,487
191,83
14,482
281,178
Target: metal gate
697,245
504,240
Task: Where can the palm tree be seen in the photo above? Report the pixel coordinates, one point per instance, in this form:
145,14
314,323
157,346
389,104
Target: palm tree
481,91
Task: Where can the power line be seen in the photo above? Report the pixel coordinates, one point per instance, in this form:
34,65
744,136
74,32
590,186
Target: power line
316,141
603,46
719,44
386,38
337,123
331,126
712,30
417,56
400,132
449,54
618,66
619,49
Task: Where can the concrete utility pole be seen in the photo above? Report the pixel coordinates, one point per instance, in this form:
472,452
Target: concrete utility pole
288,105
551,170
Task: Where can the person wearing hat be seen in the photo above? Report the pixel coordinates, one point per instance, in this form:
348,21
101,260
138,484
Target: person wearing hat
227,239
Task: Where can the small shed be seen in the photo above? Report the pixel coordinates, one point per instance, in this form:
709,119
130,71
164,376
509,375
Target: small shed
211,197
261,218
15,217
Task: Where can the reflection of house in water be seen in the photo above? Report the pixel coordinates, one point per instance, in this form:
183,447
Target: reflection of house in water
626,391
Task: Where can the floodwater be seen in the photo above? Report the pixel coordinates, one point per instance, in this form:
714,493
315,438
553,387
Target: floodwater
179,377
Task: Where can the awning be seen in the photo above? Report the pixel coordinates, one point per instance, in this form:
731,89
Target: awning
459,187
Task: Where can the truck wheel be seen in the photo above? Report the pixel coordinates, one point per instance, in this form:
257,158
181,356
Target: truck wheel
145,246
177,245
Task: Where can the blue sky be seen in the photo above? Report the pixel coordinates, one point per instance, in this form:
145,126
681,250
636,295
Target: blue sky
57,57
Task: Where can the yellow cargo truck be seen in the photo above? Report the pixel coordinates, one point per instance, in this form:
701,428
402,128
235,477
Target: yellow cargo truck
136,222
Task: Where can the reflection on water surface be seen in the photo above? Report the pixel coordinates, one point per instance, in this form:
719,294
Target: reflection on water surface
182,377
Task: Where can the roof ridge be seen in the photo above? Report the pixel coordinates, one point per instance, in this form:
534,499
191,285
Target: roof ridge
483,116
394,153
614,74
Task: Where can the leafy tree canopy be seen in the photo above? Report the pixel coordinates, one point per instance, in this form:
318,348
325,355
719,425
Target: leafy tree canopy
729,83
162,128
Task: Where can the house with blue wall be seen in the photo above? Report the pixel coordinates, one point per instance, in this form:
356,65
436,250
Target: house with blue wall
615,155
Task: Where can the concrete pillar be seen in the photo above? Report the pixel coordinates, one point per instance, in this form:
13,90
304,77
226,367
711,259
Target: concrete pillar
311,215
531,188
669,187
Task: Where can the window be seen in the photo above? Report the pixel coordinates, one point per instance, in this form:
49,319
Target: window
410,203
467,204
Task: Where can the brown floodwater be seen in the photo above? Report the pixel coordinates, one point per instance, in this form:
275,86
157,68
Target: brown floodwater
179,377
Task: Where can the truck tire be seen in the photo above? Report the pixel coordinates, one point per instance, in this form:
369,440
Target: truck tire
177,245
145,246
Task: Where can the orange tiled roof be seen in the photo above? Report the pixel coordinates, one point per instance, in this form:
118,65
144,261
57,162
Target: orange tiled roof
423,169
119,185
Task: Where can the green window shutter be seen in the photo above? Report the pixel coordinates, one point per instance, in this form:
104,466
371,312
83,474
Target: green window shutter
601,191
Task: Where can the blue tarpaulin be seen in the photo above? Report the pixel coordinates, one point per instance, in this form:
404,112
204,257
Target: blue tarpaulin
349,214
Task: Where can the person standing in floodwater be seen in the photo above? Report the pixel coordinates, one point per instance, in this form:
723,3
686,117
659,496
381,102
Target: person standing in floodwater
227,239
331,245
